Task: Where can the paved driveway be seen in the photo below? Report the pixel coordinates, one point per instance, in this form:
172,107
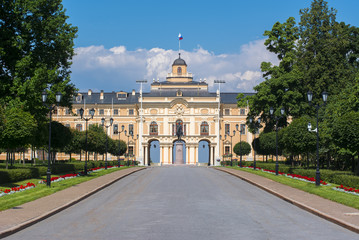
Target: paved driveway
183,202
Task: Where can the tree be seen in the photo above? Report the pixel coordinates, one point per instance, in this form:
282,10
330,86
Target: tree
113,147
267,143
242,148
346,133
35,53
76,143
317,54
96,139
60,136
296,139
18,129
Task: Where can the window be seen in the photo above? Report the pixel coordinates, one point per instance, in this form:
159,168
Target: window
67,111
102,112
55,110
204,128
115,129
226,150
179,128
115,112
130,150
79,127
153,128
67,125
179,71
243,129
130,129
226,112
242,111
227,129
130,112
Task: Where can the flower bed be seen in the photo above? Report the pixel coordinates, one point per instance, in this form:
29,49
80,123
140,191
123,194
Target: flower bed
293,176
304,178
350,190
272,171
62,177
16,189
53,179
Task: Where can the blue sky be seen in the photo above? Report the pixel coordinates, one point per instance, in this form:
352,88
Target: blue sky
120,42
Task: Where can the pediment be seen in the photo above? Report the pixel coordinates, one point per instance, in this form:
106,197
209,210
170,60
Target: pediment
178,101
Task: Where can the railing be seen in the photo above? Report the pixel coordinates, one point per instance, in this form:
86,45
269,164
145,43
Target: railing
179,75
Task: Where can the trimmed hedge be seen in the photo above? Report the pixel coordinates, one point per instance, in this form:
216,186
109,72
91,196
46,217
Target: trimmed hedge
345,178
22,173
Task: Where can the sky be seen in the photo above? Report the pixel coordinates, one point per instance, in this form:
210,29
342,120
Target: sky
121,41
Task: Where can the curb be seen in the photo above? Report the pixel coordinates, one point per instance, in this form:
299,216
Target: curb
33,221
307,208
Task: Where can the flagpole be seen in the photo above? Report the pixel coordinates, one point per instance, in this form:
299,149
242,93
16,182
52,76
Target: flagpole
179,45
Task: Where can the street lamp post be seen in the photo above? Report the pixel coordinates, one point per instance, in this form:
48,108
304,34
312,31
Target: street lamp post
119,143
271,111
106,126
128,147
219,82
240,145
310,97
134,149
234,133
92,113
51,108
140,152
254,142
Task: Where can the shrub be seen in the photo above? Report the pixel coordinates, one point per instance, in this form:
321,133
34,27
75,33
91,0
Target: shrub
14,175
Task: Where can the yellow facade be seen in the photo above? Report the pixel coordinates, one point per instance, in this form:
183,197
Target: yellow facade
179,98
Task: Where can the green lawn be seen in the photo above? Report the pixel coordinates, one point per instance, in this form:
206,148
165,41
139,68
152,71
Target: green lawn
323,191
41,190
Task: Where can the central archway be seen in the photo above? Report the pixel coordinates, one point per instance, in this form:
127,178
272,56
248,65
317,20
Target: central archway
179,152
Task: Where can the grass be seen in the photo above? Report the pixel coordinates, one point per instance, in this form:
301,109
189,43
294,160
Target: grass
41,190
322,191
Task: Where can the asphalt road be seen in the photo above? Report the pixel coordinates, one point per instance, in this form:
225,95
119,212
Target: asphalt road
182,202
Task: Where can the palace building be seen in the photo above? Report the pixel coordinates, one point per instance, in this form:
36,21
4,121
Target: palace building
178,118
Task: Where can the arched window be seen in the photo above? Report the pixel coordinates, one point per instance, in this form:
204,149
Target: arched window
204,128
179,70
153,128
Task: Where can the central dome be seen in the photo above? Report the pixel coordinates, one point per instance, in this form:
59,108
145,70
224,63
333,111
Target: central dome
179,61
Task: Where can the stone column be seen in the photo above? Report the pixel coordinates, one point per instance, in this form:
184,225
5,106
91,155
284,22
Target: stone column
145,149
170,154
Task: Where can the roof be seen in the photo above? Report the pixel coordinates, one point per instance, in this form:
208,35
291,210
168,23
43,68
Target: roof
109,98
179,61
179,83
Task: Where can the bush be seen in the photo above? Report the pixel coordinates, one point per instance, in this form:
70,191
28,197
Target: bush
14,175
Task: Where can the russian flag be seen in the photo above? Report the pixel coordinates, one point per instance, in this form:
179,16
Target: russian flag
180,36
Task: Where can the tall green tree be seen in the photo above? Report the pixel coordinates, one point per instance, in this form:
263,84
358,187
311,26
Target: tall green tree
296,139
317,54
18,129
36,49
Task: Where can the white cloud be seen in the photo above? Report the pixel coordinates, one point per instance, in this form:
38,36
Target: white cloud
96,67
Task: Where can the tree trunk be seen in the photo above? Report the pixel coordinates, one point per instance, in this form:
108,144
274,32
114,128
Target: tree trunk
353,164
7,160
